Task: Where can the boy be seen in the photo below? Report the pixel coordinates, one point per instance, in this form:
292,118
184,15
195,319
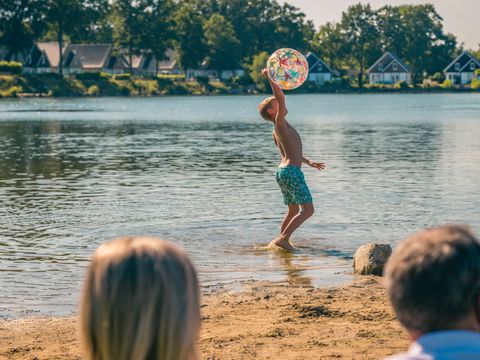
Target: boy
289,174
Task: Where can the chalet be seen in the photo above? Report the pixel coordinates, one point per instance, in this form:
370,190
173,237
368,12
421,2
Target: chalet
169,66
44,57
79,58
389,69
319,72
461,70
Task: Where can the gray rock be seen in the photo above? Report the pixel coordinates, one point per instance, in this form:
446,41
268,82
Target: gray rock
369,259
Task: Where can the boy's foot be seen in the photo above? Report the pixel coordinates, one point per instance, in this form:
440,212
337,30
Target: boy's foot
282,242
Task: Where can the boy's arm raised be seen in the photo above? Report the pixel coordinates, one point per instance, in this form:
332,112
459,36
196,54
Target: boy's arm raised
280,122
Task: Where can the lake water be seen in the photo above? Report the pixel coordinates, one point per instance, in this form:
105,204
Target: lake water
199,171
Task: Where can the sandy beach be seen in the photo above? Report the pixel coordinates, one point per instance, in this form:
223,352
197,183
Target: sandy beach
263,321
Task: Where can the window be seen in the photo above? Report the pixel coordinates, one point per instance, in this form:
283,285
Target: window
472,66
395,67
319,67
457,66
380,67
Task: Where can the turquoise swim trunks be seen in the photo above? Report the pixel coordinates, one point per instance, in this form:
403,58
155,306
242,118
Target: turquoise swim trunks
293,185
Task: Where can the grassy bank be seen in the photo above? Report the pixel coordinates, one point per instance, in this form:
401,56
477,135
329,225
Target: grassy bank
103,84
99,84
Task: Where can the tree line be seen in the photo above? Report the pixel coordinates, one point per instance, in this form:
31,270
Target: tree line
224,34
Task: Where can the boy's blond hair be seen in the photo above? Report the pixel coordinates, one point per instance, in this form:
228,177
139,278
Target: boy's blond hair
140,301
264,106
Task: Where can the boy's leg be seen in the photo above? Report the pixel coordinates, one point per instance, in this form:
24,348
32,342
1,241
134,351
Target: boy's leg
283,240
299,219
293,210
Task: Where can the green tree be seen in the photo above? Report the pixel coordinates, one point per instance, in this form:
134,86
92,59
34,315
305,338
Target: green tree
254,70
190,41
292,29
70,17
158,28
329,44
21,22
415,33
222,42
359,28
128,26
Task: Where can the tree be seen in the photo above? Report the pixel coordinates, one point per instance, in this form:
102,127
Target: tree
190,41
255,67
222,42
70,17
128,26
415,33
21,22
359,28
329,44
157,32
291,28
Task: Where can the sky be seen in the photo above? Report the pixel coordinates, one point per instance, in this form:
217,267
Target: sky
461,17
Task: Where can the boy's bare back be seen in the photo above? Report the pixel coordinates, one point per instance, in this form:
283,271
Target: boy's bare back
290,147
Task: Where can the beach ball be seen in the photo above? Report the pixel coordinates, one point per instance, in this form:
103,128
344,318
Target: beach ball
288,68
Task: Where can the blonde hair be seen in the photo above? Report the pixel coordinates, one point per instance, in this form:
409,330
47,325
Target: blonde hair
141,300
264,106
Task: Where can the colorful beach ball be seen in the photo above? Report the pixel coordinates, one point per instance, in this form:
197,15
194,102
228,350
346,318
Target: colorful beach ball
288,68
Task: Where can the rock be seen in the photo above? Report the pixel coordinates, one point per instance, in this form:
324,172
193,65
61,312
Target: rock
369,259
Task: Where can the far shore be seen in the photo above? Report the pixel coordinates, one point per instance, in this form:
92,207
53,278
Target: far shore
263,321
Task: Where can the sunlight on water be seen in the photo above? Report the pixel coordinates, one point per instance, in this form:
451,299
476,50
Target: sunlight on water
200,171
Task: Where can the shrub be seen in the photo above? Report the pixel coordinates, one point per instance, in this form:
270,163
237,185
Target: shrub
93,90
401,85
125,76
447,84
475,84
438,77
11,92
254,69
10,67
203,80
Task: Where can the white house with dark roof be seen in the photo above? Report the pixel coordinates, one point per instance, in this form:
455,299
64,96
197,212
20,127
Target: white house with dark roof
462,69
79,58
319,72
389,69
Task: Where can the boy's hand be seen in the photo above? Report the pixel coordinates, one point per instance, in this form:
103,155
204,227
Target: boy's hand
317,165
265,73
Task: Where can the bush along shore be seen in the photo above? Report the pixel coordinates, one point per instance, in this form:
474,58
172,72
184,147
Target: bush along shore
105,84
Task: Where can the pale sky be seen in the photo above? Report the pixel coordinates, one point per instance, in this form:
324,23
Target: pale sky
461,17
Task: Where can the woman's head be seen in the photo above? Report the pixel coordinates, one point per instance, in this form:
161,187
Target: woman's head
140,301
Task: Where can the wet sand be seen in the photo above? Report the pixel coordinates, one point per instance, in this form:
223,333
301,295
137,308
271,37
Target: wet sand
263,321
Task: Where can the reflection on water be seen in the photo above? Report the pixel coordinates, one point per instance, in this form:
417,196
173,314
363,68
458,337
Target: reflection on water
199,171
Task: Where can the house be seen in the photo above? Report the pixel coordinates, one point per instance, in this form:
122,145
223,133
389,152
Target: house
462,69
43,57
169,66
319,72
389,69
80,58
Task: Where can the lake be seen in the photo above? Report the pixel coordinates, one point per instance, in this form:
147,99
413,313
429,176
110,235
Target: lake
199,171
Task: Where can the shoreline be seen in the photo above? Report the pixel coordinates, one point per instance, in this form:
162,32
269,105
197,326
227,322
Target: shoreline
262,321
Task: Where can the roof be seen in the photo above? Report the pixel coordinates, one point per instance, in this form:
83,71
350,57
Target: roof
88,56
385,64
50,51
463,59
316,65
170,62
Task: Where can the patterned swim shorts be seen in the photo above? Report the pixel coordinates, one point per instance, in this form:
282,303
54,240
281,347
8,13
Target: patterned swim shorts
293,185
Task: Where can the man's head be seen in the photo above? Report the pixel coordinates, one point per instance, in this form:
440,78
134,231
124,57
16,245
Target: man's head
268,108
433,280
